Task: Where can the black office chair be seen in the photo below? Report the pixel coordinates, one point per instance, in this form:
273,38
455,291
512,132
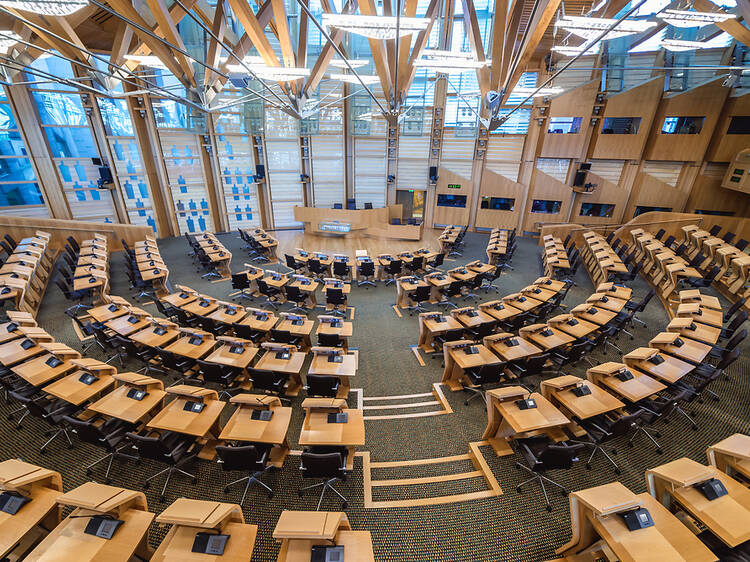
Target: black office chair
222,375
715,229
248,333
168,447
368,205
530,366
129,349
640,306
341,270
268,382
601,429
296,297
472,285
336,298
728,237
741,244
184,319
482,377
51,412
322,385
252,459
330,340
705,374
107,343
488,280
331,466
293,263
481,331
569,356
284,336
366,273
271,293
418,296
542,455
706,280
392,271
109,433
733,326
317,270
435,262
450,291
415,265
240,284
176,365
718,352
734,309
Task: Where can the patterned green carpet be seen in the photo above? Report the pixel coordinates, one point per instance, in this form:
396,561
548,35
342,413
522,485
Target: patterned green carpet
509,527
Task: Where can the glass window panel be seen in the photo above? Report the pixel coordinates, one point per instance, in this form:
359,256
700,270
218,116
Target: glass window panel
55,66
60,109
564,125
7,121
116,117
71,142
516,124
11,144
12,194
16,169
169,114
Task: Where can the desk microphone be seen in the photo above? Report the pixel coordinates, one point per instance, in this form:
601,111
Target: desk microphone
527,403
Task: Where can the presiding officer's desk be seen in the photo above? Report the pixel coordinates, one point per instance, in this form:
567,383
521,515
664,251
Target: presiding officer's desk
189,518
299,531
68,541
358,222
23,530
595,515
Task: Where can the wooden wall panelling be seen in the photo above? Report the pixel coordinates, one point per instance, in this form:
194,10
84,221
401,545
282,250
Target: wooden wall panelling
20,227
652,192
724,147
578,102
547,187
605,192
639,101
452,215
497,185
708,194
705,100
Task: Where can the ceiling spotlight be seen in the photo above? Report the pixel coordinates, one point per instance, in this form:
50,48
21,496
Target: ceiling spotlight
145,60
449,62
46,8
353,63
376,27
592,28
687,18
264,72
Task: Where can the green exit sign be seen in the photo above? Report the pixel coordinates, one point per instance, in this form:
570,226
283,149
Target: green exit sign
454,186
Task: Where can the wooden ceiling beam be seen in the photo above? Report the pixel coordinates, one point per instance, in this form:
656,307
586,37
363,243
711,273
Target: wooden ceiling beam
498,42
218,28
121,43
404,46
327,52
379,52
513,22
409,70
40,27
254,31
284,34
538,26
168,30
175,12
471,28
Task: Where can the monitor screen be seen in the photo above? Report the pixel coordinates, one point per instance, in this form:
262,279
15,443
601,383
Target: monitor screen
445,200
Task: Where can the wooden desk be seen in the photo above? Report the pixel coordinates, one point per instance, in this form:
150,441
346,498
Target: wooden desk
150,338
539,293
67,541
189,517
594,515
559,390
344,370
617,291
117,404
686,349
694,330
200,306
670,370
307,287
524,349
694,295
575,327
223,356
260,320
37,372
472,318
291,366
457,361
181,298
432,324
602,300
342,329
521,302
732,455
12,352
107,312
228,313
299,531
241,426
639,387
406,285
506,421
20,532
185,348
727,517
9,331
72,390
593,314
317,431
204,424
546,336
301,331
499,310
127,324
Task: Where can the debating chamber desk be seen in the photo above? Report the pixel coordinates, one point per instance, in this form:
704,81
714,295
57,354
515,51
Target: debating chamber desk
358,222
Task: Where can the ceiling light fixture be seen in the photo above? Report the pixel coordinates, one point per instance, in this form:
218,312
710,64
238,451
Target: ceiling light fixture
526,91
592,28
449,62
352,78
681,45
353,63
375,27
687,18
46,8
264,72
8,39
146,60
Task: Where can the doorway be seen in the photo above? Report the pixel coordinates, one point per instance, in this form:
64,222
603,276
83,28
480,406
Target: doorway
412,201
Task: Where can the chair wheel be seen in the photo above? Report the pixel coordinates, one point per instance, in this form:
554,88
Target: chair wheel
518,466
299,493
107,481
344,505
695,428
657,434
162,498
71,446
630,444
614,451
42,451
518,489
659,451
146,485
466,402
549,508
588,466
88,472
195,480
270,495
617,471
563,492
